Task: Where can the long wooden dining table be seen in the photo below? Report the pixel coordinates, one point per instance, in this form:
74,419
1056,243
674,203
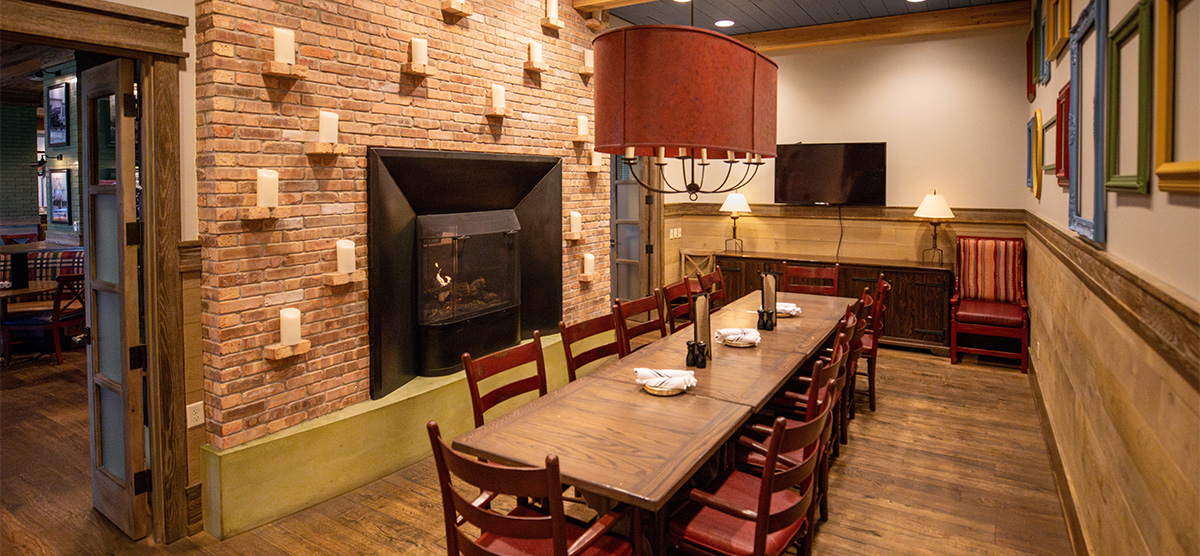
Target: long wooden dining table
614,440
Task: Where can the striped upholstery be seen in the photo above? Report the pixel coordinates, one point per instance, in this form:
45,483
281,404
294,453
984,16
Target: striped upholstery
991,269
46,266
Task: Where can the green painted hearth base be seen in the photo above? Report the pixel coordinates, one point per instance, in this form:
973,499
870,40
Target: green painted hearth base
282,473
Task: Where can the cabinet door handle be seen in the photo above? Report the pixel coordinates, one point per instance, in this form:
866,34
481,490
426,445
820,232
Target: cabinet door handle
861,279
938,333
731,269
939,285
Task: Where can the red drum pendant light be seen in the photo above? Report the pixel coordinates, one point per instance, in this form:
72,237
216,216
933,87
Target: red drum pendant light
668,91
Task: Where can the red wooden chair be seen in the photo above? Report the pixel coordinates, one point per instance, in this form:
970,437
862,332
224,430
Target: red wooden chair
628,331
819,280
15,239
578,356
66,313
714,284
758,514
989,298
523,530
870,340
678,300
502,363
861,310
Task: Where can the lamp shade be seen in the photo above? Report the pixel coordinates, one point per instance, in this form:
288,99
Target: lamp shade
682,87
735,202
934,206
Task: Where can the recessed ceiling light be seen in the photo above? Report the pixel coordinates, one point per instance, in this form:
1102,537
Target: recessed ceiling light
724,23
915,1
683,1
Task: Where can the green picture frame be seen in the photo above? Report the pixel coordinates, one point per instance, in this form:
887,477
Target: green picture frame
1136,25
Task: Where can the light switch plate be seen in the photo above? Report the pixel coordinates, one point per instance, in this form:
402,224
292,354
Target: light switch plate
195,414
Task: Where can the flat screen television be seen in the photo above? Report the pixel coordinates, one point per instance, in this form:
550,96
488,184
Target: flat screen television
831,174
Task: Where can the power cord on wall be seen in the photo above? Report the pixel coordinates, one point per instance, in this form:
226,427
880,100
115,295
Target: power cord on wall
841,232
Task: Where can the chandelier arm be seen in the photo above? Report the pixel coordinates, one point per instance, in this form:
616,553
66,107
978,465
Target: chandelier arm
631,163
746,178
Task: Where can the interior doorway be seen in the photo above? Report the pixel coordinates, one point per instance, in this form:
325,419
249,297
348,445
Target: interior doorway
151,43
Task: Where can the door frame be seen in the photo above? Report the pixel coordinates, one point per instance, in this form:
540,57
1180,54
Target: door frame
155,40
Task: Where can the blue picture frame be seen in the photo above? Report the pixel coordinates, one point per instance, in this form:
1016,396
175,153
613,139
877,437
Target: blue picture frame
1093,19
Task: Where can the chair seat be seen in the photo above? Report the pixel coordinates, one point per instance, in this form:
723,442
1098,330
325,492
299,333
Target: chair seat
868,342
723,533
991,313
605,545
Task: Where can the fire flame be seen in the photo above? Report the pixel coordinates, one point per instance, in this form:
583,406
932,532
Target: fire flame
441,280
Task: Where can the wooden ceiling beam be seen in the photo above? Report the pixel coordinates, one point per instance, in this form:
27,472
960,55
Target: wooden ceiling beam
910,25
597,5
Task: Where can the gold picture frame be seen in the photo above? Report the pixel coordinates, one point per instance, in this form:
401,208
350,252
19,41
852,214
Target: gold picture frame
1173,175
1058,27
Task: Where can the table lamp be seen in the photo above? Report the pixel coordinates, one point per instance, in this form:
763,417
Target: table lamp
936,209
734,203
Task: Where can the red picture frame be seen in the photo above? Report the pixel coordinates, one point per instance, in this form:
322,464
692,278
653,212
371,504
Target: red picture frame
1030,89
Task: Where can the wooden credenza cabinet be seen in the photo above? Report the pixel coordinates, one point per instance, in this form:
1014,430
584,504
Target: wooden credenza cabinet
918,313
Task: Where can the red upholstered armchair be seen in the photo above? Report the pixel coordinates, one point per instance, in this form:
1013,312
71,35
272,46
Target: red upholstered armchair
989,298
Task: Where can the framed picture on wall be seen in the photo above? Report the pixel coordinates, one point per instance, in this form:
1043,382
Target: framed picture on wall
60,197
58,116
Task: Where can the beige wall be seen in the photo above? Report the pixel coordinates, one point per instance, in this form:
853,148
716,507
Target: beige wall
187,109
948,106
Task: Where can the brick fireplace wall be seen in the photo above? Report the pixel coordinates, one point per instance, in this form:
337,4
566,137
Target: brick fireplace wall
353,53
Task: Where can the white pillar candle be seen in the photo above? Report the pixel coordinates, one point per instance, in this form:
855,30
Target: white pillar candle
758,159
289,326
581,126
328,130
589,60
596,160
535,52
552,9
576,222
682,152
345,256
662,153
419,51
629,152
498,97
268,188
729,156
703,156
285,46
589,263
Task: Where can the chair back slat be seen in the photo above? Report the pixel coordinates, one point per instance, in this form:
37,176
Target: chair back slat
882,291
677,299
578,332
714,284
68,298
991,269
498,363
534,482
776,478
628,330
818,280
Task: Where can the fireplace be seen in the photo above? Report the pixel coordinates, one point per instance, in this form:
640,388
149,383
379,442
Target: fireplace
464,254
468,286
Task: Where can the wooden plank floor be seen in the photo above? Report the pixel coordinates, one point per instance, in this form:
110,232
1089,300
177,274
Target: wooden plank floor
953,462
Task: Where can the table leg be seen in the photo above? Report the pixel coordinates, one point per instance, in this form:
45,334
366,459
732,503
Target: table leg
19,270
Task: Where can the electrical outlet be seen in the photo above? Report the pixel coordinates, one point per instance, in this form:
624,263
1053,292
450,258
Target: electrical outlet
195,414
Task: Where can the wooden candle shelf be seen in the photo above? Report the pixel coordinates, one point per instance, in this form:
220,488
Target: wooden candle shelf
595,24
587,72
279,351
573,236
587,278
495,113
287,71
580,138
594,169
343,278
327,148
535,67
262,213
423,70
457,8
553,23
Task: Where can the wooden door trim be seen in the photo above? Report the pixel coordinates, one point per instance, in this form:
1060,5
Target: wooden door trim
156,40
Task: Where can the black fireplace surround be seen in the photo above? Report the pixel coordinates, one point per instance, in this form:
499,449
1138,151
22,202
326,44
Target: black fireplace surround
465,254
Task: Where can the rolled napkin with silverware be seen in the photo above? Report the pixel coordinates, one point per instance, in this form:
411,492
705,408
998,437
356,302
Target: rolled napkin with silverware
665,378
790,309
742,336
